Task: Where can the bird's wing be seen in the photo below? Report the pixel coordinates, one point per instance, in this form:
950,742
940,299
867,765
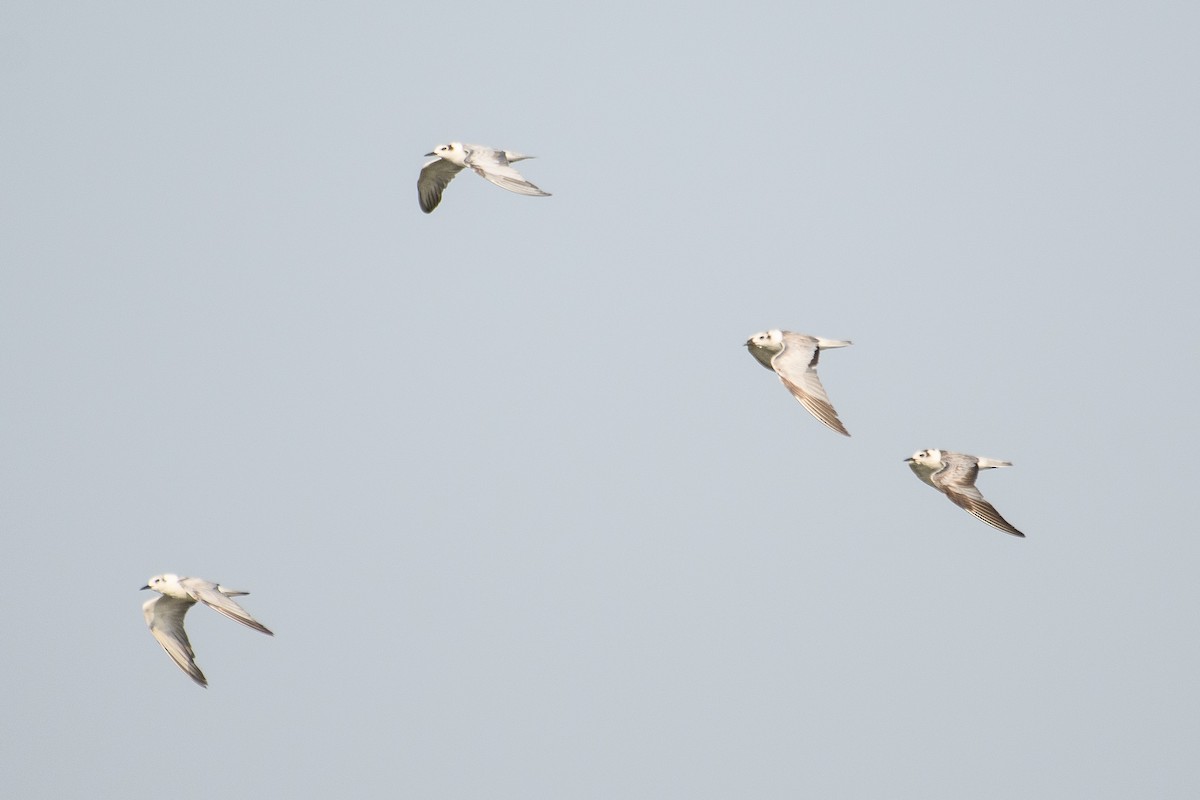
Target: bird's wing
164,615
956,479
209,594
434,177
796,366
761,355
493,165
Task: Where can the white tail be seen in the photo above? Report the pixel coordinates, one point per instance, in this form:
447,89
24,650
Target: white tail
991,463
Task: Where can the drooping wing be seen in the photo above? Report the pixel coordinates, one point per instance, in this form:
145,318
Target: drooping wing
164,615
957,479
209,594
493,165
434,177
796,366
761,354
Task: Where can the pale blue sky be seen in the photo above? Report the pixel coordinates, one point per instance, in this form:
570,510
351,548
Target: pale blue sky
526,518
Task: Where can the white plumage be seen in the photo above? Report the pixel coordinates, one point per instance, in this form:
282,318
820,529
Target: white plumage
793,357
488,162
165,615
954,474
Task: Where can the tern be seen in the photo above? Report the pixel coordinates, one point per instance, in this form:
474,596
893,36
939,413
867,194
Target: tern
953,474
165,614
487,162
793,357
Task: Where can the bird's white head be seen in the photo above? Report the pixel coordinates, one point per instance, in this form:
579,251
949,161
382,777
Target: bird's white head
767,340
167,583
452,152
930,459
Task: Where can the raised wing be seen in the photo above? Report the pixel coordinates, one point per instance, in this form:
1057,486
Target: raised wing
165,615
796,366
494,165
434,177
956,479
209,594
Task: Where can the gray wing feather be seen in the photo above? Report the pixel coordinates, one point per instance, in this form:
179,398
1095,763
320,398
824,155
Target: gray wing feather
433,180
208,593
957,480
796,366
164,615
494,166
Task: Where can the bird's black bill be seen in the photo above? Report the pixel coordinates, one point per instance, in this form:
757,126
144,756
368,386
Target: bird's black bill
430,154
147,586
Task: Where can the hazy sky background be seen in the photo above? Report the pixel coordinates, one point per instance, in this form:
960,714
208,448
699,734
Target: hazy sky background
526,518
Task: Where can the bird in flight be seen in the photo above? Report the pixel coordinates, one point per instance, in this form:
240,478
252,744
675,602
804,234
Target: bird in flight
793,357
487,162
953,474
165,614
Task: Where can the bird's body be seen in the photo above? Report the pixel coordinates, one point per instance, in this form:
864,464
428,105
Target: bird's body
954,474
164,615
488,162
793,357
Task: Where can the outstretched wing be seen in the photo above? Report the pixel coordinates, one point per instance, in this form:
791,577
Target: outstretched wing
956,479
165,615
209,594
494,165
434,177
796,366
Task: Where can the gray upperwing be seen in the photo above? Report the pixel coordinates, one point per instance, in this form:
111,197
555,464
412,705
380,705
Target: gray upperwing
495,167
958,472
796,366
956,479
208,593
985,511
509,178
